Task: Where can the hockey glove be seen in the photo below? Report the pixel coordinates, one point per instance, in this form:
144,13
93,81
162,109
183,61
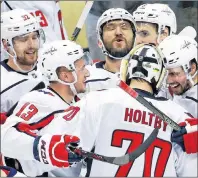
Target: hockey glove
54,150
187,137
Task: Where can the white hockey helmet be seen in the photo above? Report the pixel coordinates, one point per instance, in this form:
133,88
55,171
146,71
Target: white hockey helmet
145,62
58,54
114,14
179,51
160,14
19,22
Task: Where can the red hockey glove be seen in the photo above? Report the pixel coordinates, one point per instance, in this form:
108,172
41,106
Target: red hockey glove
55,150
187,138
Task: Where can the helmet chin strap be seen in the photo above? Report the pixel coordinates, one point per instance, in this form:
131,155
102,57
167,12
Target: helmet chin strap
72,87
159,33
15,59
158,39
104,50
113,57
15,62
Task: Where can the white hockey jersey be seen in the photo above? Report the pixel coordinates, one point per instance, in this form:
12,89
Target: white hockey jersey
15,84
34,108
188,100
100,79
48,14
118,124
115,123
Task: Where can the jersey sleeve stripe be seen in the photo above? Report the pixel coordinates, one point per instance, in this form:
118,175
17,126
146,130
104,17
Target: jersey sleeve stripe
96,80
11,86
25,128
29,128
191,98
45,121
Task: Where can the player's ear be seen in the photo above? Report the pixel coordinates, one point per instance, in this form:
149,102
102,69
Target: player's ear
5,44
193,68
66,75
99,43
62,74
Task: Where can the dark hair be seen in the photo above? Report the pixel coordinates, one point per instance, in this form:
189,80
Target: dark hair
195,62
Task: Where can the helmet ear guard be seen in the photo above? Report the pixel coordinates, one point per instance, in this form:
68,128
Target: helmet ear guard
150,69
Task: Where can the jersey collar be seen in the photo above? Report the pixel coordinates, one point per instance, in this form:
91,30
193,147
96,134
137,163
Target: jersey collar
9,69
147,94
100,65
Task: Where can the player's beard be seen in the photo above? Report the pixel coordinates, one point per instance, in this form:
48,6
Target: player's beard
183,88
26,61
118,52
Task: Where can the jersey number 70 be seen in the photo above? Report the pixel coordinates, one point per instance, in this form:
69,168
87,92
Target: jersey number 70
137,139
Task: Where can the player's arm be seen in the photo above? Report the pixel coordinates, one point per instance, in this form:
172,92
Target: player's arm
20,142
18,133
188,129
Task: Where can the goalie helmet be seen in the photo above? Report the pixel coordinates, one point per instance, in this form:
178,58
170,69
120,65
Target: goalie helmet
145,62
179,51
60,53
160,14
114,14
19,22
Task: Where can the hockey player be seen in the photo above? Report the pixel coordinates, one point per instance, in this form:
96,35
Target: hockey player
181,62
116,37
21,37
115,127
47,13
154,23
116,31
62,63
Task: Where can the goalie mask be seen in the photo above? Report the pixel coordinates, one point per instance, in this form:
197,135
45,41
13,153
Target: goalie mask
145,62
110,15
19,23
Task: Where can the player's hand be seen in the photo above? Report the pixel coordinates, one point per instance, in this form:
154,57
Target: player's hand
54,150
188,135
